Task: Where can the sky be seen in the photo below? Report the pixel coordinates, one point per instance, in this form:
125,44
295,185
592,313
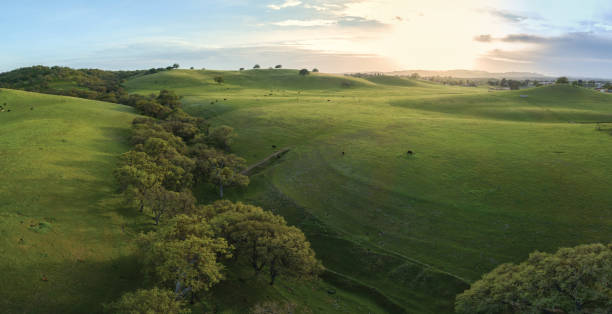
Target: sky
550,37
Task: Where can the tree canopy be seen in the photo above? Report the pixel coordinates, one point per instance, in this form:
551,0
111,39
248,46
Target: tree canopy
263,240
304,72
572,280
184,253
562,80
150,301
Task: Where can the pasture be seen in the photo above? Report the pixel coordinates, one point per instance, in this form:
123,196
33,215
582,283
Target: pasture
493,175
64,236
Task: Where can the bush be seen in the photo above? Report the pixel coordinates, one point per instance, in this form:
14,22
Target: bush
304,72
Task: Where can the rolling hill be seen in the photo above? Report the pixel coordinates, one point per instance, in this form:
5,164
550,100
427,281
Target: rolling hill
494,175
64,238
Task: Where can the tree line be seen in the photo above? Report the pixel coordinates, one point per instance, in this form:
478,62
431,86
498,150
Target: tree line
195,245
83,83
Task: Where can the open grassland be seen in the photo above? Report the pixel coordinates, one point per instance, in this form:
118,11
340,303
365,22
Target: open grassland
494,175
64,240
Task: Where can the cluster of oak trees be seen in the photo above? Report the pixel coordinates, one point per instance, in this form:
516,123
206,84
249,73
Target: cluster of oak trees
194,245
83,83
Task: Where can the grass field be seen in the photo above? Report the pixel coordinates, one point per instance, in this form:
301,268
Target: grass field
494,176
59,219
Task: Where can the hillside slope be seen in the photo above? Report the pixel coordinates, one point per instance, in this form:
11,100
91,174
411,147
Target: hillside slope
494,176
63,234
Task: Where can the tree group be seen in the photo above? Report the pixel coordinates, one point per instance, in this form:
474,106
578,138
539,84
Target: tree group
194,245
572,280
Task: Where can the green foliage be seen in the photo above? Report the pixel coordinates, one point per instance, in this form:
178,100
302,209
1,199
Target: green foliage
218,79
562,80
573,280
152,301
169,99
278,66
221,137
184,254
84,83
263,240
257,66
304,72
220,169
160,201
315,70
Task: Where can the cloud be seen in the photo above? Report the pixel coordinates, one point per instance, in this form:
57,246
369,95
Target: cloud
512,38
523,38
580,54
305,23
484,38
286,4
508,16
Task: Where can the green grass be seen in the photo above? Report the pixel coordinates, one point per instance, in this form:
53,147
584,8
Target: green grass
494,177
59,217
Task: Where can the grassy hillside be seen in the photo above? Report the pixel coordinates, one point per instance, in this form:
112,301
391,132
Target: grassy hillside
59,220
494,175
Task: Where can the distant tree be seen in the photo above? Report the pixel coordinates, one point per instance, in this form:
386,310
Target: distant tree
562,80
220,169
572,280
257,66
503,83
315,70
175,66
608,85
219,79
184,254
263,240
278,67
304,72
514,85
241,69
148,301
191,68
221,137
169,99
415,76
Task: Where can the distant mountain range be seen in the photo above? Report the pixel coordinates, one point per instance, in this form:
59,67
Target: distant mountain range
473,74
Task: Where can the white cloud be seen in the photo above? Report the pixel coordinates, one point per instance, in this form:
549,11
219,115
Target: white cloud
286,4
305,23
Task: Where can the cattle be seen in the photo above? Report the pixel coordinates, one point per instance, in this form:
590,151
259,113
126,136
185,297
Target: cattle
273,146
342,153
410,153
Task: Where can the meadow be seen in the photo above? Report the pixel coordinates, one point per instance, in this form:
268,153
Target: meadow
494,175
64,236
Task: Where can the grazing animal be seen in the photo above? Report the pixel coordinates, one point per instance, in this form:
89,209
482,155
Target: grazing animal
273,146
31,108
44,278
8,110
342,153
225,99
410,152
328,100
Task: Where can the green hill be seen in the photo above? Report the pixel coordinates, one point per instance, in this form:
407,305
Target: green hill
64,238
494,176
